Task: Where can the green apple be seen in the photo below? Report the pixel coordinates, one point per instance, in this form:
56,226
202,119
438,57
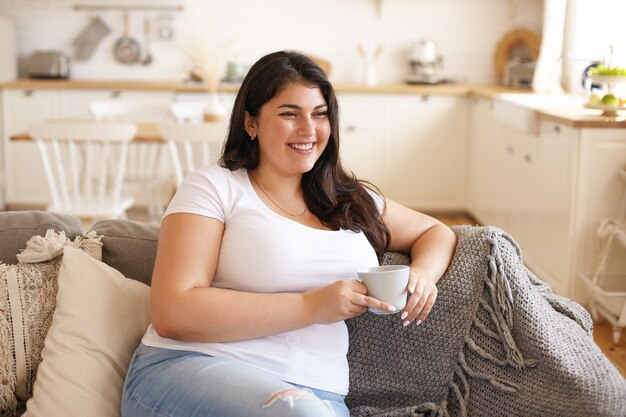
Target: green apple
610,100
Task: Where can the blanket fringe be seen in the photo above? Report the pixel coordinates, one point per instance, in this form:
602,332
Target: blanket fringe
484,329
497,302
44,248
501,384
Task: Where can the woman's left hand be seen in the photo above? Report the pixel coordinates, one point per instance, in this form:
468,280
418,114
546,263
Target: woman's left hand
423,295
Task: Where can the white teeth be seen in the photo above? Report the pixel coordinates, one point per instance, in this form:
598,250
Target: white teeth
302,147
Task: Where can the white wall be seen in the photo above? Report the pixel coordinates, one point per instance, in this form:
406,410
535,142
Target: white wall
465,30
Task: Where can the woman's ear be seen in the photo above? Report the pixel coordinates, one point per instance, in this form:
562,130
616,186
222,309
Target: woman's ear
250,125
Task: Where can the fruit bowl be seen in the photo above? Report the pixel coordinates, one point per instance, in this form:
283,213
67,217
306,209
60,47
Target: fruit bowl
609,110
607,79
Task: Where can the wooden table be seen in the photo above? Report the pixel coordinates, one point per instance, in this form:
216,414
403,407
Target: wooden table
146,132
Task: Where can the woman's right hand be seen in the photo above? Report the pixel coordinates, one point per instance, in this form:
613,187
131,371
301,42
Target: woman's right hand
341,300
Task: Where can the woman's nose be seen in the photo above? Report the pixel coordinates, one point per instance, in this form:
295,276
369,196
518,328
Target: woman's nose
306,127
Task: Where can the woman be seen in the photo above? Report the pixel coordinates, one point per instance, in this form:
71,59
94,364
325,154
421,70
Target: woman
257,258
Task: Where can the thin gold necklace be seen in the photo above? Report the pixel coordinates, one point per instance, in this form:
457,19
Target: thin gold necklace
274,202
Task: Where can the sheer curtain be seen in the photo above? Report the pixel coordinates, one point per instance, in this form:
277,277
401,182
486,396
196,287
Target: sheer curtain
547,78
577,33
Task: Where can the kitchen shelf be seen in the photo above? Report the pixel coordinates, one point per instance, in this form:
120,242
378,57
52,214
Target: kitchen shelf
130,7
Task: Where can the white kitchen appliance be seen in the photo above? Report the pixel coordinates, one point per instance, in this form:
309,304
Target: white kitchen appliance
426,63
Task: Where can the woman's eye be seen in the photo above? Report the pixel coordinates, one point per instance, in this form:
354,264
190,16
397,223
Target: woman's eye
321,114
288,114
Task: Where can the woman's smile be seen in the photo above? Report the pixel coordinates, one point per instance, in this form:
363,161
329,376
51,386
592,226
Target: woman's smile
305,148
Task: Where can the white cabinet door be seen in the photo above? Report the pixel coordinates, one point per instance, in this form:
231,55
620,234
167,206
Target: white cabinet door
25,178
426,151
516,191
552,242
483,161
602,154
363,136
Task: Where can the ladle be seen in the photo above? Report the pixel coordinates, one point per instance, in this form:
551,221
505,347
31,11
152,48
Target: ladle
147,59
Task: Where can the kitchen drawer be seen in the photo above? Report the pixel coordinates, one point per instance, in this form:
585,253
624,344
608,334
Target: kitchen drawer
548,127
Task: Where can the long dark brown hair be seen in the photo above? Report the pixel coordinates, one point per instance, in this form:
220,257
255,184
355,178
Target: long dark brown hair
335,196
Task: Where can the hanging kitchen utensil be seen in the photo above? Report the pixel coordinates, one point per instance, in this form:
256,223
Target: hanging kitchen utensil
166,33
147,59
87,41
126,50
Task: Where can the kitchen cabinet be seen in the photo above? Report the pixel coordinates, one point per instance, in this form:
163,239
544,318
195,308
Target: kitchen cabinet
410,146
522,182
363,133
549,190
601,153
483,162
502,174
426,151
25,180
555,208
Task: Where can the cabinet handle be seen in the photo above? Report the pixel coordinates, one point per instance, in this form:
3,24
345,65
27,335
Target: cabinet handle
509,149
528,158
350,128
116,93
425,98
557,129
29,93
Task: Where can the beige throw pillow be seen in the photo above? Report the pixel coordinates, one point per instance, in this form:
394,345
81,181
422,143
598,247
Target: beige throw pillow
100,318
27,301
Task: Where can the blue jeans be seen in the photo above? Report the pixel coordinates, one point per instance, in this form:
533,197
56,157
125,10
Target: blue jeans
172,383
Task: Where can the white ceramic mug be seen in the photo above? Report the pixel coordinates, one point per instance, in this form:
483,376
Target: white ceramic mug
387,283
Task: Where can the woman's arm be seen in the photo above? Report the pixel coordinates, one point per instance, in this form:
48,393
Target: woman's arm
186,307
431,245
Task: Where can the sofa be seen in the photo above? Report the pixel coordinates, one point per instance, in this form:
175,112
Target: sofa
497,343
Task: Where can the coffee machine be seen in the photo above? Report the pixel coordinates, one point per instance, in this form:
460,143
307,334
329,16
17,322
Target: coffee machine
426,63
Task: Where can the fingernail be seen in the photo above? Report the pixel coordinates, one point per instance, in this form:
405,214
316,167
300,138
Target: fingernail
406,323
391,308
404,314
418,322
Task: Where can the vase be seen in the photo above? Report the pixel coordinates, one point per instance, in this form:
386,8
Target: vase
215,109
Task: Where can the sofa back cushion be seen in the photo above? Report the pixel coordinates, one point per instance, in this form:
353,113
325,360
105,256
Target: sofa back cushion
16,227
129,247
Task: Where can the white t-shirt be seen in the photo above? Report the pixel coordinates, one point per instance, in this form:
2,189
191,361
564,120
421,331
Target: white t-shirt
262,251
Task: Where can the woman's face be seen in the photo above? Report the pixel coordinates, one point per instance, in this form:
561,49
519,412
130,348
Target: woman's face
292,129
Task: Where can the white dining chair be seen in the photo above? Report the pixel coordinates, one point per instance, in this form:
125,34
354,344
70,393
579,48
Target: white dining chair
85,165
143,167
192,145
190,111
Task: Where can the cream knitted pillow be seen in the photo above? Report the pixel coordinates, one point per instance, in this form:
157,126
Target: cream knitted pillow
27,301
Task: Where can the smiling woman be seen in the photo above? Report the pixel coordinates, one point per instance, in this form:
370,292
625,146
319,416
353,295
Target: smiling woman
257,262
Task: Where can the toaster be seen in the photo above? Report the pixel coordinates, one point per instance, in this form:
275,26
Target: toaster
519,73
48,64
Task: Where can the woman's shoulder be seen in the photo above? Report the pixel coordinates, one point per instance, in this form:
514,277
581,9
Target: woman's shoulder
216,174
208,191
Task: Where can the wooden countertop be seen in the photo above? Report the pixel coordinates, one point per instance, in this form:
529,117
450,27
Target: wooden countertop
584,118
574,117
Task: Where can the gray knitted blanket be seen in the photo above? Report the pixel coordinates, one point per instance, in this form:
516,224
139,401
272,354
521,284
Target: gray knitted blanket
497,343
